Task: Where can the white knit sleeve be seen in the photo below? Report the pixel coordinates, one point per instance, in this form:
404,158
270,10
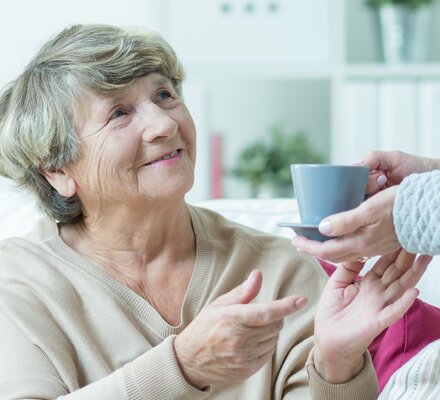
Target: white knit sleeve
417,213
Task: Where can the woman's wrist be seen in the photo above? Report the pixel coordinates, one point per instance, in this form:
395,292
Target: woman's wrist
187,370
336,370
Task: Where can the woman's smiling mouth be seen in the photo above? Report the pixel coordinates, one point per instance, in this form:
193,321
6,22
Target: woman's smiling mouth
168,156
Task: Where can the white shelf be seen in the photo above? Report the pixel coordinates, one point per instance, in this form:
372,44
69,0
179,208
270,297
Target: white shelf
230,73
375,71
314,67
362,71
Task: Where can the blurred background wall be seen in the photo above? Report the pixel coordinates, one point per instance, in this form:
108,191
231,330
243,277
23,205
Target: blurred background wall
313,67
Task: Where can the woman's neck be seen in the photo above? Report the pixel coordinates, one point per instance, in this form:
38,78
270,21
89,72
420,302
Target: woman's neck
131,241
153,253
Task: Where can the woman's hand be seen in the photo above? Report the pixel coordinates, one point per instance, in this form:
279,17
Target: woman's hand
231,339
367,230
389,168
351,314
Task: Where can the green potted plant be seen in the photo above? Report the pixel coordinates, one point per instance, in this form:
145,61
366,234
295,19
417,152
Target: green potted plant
404,29
266,163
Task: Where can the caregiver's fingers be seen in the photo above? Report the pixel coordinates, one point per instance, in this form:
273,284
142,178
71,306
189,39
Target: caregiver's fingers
377,180
345,222
381,160
334,250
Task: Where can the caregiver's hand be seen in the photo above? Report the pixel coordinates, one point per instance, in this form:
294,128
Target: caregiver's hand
231,339
367,230
351,314
389,168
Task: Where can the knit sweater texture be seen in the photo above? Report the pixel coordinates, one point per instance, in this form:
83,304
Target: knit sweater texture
417,213
70,331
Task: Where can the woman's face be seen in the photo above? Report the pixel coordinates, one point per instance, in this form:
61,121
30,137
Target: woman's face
137,144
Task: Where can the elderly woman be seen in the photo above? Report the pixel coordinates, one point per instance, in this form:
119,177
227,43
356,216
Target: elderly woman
126,292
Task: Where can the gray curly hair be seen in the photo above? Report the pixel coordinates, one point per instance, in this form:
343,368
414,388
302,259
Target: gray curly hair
38,109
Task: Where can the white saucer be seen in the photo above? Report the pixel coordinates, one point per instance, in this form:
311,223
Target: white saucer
307,230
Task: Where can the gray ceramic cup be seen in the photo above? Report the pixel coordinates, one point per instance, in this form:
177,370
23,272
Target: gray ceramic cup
322,190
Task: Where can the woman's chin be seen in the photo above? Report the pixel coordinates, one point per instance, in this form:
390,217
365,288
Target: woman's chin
167,191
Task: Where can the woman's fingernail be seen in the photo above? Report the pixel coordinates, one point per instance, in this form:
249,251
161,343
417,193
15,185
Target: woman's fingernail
300,302
381,180
325,227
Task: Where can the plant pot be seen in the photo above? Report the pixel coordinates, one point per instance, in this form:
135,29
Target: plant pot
405,34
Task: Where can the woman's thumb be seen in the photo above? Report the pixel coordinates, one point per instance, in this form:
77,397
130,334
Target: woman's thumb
341,224
243,293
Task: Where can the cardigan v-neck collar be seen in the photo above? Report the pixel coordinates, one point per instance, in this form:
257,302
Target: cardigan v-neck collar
196,292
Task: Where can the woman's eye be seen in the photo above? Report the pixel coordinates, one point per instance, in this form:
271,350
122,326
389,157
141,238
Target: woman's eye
118,114
163,95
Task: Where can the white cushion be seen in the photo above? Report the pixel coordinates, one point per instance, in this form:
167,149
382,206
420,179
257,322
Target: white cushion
18,212
261,214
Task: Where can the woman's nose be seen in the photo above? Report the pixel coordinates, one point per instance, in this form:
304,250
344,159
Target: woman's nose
156,123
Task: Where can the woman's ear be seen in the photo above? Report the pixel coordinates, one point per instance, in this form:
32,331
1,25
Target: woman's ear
61,181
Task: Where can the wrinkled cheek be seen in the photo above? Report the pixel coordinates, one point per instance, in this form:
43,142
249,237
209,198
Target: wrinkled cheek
90,177
192,153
